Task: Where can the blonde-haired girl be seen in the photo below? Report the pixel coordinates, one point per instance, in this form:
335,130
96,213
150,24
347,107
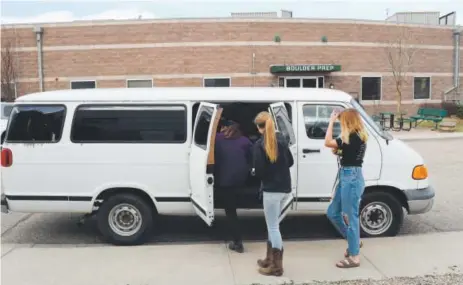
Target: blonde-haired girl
343,211
272,160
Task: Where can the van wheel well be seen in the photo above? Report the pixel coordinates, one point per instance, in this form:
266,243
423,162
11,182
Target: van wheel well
397,193
124,190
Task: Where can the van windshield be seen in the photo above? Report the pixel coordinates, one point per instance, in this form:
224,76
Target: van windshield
378,129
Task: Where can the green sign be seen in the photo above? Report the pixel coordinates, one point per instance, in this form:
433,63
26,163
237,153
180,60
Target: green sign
299,68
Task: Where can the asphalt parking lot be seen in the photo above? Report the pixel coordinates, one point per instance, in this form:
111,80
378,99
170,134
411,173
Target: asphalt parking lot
444,158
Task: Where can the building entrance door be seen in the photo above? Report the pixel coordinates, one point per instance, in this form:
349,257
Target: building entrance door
303,82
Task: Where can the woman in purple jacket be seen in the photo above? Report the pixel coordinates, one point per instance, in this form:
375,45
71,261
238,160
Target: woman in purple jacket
232,164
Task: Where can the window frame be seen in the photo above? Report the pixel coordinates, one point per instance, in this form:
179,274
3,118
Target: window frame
334,104
380,88
193,135
37,142
430,88
77,81
139,79
184,106
205,78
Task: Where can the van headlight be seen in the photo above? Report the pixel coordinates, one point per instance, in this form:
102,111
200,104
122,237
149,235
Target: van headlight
420,172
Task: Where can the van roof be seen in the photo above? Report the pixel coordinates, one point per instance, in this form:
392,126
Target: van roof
242,94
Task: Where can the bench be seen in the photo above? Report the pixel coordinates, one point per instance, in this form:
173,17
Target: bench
448,126
429,114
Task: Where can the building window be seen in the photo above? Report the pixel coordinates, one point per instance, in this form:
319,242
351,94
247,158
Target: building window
90,84
317,118
217,82
36,124
422,88
139,83
371,88
130,124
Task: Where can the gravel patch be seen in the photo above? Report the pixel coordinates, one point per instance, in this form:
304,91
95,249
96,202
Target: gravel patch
447,279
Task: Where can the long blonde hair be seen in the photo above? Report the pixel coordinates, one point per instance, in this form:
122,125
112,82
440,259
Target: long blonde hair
351,122
264,121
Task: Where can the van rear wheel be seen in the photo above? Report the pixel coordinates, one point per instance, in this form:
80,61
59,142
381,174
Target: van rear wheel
125,219
381,215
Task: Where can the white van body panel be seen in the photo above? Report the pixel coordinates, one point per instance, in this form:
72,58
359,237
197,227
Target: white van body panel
80,172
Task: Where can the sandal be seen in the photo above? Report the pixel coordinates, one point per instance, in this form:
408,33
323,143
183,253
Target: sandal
347,263
346,254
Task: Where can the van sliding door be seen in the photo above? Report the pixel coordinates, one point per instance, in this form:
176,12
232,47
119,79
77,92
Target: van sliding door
202,160
284,126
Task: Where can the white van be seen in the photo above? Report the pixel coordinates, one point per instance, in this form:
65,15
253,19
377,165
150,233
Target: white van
127,155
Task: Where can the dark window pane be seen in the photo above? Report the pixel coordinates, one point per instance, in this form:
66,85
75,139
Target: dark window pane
293,83
422,88
284,124
309,83
83,85
217,82
202,127
41,124
321,82
371,88
130,124
317,118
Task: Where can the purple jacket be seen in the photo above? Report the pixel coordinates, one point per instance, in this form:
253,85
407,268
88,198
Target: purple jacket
232,160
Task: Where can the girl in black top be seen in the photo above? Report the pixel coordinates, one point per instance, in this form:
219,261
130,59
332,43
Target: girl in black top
343,211
272,162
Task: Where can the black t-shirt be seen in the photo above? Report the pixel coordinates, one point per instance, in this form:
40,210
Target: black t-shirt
352,154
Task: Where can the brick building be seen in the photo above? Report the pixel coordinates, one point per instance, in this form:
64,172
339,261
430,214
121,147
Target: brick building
240,51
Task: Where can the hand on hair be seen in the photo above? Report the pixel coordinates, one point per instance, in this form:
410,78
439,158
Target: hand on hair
334,115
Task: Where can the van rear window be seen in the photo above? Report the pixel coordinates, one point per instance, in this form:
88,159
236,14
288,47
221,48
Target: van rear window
36,124
130,124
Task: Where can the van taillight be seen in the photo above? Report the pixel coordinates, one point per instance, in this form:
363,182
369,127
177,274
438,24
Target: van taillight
7,157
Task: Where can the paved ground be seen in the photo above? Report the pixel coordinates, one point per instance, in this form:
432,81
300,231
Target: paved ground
437,254
444,157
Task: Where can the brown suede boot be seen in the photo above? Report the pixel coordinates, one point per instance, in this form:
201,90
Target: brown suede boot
263,263
276,264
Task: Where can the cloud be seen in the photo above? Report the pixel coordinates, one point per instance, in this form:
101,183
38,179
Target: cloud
67,16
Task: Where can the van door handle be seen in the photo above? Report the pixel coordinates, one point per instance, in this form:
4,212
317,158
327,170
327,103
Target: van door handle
306,150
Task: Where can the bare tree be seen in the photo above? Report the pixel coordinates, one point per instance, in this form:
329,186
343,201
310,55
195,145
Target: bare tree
400,53
9,71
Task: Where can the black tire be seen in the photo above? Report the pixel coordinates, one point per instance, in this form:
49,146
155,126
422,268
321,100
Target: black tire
146,212
388,202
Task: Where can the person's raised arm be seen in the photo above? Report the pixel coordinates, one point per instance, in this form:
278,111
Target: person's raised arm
329,141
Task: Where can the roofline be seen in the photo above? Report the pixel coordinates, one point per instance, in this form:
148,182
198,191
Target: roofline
83,23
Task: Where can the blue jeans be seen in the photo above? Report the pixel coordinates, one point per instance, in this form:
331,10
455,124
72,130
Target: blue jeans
273,203
346,201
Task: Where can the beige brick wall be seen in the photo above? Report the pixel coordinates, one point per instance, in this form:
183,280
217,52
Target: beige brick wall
186,31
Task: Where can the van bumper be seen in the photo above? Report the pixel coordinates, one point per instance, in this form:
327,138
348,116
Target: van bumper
5,208
420,201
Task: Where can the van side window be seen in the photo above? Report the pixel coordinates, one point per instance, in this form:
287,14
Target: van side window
316,119
202,128
129,124
36,124
283,124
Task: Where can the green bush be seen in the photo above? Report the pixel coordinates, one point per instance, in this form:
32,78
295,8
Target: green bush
460,112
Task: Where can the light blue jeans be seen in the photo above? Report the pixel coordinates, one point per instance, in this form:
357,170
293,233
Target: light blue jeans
273,204
346,201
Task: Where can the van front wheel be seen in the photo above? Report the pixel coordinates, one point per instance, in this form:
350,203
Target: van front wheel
125,219
381,215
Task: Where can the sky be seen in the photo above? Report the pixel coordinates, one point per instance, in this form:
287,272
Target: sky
18,11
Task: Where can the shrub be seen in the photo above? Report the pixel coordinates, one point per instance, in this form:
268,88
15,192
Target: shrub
459,112
451,107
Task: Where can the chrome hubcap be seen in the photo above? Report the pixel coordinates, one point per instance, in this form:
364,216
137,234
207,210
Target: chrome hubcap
125,219
376,218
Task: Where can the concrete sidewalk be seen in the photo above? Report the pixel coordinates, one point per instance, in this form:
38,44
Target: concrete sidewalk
213,264
424,134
